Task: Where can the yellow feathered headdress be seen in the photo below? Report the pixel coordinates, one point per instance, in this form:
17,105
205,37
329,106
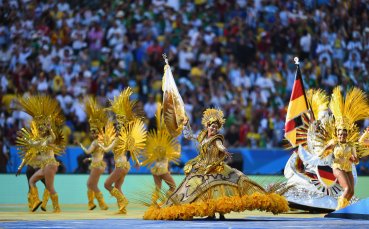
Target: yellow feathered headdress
97,117
43,109
124,108
347,111
318,100
212,115
160,144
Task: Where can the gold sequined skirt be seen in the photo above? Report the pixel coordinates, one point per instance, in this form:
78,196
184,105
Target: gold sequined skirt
347,167
49,161
124,165
98,165
158,171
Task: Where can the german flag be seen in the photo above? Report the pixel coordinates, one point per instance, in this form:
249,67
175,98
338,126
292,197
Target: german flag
298,105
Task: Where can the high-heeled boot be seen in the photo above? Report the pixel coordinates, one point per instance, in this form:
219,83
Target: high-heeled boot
35,199
90,197
30,203
121,200
155,195
55,200
342,202
100,199
45,199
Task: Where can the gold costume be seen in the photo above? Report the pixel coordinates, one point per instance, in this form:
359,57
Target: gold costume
346,111
98,121
131,137
40,143
341,156
211,186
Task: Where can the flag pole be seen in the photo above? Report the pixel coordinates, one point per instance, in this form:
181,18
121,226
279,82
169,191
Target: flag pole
297,62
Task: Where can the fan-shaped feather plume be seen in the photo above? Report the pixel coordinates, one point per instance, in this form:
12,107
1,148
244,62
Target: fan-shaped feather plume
318,101
125,109
132,138
96,114
160,145
108,135
212,115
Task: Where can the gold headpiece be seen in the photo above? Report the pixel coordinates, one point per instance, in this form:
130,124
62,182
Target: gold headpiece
97,117
124,108
347,111
318,101
43,109
212,115
160,144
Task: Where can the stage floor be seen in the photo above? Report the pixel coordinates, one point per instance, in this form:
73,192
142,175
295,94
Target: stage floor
76,216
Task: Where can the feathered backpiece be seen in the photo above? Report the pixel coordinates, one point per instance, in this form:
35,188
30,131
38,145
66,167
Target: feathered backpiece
160,144
132,138
43,109
347,111
97,116
27,136
212,115
107,136
318,100
173,106
125,109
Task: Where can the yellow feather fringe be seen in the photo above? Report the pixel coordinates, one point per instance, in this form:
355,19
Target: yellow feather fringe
257,201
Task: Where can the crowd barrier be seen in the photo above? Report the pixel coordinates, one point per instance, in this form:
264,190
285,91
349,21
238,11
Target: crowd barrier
250,161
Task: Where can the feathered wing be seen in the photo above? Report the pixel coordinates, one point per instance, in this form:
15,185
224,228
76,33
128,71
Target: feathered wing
173,106
132,138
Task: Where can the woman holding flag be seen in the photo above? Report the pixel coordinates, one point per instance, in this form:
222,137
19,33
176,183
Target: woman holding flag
210,185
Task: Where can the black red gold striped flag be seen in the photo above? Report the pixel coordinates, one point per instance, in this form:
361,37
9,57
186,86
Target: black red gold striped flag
297,106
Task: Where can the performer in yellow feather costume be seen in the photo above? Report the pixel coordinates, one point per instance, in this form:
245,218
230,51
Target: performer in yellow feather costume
161,149
211,186
40,144
131,138
340,138
98,119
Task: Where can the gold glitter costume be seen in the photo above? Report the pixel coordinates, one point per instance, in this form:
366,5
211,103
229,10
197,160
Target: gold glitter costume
98,121
131,137
346,111
211,186
43,140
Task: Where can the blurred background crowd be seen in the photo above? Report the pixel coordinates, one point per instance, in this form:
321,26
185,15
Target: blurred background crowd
233,54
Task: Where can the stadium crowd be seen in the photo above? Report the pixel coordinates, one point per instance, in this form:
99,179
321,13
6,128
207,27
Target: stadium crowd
232,54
